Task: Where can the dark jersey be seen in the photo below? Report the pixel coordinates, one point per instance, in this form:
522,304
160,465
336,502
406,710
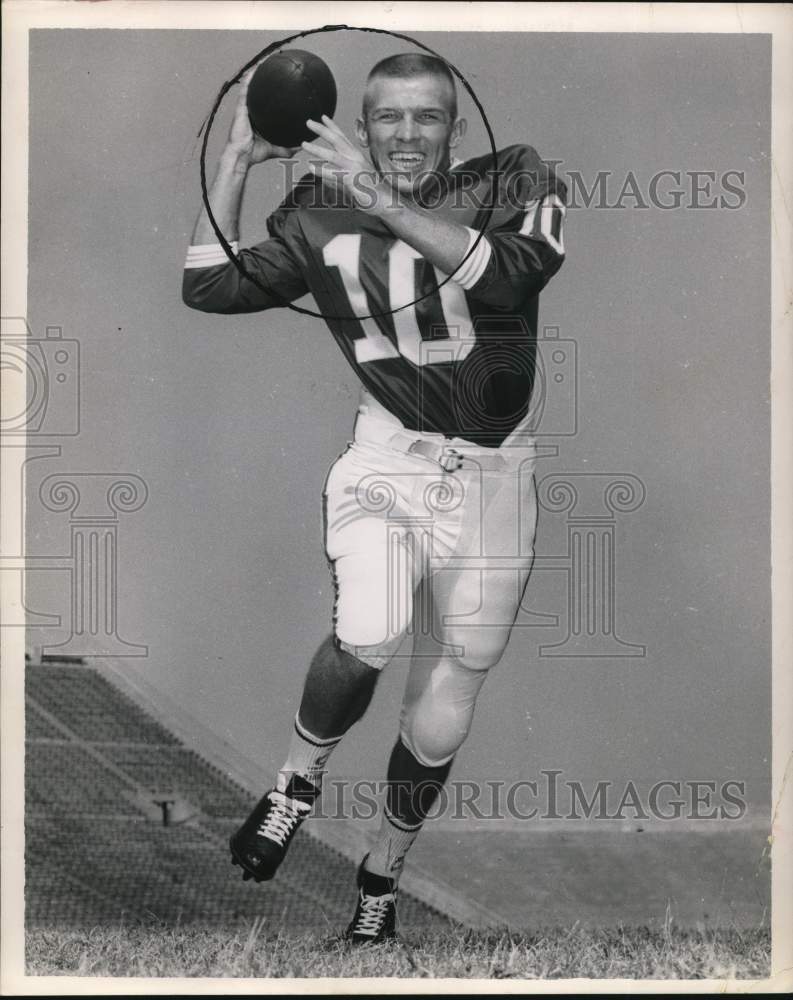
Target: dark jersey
460,361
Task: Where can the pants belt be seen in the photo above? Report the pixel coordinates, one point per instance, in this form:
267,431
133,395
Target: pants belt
451,458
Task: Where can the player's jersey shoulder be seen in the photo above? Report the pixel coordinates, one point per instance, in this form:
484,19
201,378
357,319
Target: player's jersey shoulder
519,170
516,157
309,192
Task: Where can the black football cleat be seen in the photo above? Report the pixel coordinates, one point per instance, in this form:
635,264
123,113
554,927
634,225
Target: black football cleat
260,844
375,914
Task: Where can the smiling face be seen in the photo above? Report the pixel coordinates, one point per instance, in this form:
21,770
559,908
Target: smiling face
410,127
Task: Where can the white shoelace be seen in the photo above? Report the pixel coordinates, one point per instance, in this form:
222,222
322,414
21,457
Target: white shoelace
282,819
374,910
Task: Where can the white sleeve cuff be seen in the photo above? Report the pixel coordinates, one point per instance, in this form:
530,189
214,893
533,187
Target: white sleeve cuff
209,254
473,268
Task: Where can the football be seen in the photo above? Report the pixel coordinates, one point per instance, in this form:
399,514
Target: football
285,90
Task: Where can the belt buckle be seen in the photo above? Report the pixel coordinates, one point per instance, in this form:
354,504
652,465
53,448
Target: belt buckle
451,460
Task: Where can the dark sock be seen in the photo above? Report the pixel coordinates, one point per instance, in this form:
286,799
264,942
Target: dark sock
413,788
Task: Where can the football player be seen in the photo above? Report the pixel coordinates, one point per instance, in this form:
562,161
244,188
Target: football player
430,512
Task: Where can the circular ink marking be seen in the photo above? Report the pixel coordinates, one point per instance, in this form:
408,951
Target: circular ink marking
207,128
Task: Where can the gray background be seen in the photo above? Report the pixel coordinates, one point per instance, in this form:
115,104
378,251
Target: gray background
233,421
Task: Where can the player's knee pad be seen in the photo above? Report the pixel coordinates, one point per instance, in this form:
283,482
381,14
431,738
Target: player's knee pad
479,649
435,725
425,751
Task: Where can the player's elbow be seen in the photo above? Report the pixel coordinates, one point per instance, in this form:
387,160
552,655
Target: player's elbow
191,301
190,296
195,296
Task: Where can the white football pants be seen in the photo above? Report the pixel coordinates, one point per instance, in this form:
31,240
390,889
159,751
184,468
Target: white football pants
430,565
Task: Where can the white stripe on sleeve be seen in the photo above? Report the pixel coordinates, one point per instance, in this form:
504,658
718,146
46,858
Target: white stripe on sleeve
473,268
209,255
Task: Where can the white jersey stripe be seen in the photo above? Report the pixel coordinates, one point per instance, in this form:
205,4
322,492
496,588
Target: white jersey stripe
474,267
209,254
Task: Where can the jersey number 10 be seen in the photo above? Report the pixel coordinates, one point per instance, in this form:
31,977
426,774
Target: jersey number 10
344,252
541,220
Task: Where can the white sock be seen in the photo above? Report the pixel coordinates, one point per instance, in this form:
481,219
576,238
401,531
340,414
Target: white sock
393,842
308,755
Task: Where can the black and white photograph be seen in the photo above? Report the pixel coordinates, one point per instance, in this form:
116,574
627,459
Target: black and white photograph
396,499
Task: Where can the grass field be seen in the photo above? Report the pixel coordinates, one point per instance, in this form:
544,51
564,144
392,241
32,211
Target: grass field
636,953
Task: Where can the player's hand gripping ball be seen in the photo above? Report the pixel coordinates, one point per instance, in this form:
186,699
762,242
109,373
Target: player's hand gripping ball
286,90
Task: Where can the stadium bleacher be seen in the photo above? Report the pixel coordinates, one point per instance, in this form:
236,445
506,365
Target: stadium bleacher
97,851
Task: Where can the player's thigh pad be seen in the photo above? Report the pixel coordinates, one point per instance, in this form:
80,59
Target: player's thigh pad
477,597
371,556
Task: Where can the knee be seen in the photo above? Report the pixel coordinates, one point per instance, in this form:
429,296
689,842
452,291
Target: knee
431,747
478,649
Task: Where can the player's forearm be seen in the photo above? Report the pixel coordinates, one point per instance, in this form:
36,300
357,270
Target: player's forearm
225,198
444,244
